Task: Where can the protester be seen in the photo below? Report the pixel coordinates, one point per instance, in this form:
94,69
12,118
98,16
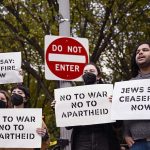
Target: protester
93,137
4,99
20,99
137,132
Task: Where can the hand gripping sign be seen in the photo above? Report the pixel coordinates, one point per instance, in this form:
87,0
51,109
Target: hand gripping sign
65,57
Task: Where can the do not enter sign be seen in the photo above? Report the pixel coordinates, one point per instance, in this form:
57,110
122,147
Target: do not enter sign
65,57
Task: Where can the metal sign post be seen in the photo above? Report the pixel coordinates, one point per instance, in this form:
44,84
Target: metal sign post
64,30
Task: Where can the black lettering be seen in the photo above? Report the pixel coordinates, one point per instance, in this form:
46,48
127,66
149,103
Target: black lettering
99,94
105,111
1,127
123,90
141,89
92,94
140,107
62,97
1,136
104,94
144,98
64,115
25,119
32,136
147,107
76,105
93,103
2,75
75,114
132,99
80,113
148,89
69,114
135,89
138,98
127,99
5,127
127,90
121,99
133,107
148,98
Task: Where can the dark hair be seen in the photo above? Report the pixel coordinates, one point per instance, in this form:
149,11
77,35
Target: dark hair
23,88
26,92
98,70
7,98
134,66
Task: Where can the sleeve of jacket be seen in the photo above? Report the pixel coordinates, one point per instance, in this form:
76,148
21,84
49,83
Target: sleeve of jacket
126,129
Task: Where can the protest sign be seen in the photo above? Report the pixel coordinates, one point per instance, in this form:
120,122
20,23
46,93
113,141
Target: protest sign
65,57
18,128
10,64
131,100
83,105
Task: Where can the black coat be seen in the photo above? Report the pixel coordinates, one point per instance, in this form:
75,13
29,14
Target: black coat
94,137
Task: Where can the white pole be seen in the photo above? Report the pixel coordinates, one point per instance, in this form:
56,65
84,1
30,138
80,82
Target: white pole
64,30
64,11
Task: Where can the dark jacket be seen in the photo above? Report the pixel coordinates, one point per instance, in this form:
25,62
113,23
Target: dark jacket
94,137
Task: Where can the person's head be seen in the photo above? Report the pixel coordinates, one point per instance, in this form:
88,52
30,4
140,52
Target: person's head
91,74
140,58
20,96
4,99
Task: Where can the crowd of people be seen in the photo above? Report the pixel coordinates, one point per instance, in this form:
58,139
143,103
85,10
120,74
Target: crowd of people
100,136
19,98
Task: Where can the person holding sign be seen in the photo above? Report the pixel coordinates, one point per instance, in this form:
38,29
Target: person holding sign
20,99
137,132
94,136
4,99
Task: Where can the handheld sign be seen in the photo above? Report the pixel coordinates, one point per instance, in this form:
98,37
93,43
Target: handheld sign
65,57
18,128
10,64
83,105
131,100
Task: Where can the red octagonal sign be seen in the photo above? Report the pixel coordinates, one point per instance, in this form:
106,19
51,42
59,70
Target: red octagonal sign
66,58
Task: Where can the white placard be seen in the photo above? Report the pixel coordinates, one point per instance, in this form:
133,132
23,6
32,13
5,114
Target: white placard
83,105
131,100
10,64
18,128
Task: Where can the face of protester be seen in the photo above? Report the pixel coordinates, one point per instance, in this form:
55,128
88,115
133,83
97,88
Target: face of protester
3,101
143,56
90,74
17,97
